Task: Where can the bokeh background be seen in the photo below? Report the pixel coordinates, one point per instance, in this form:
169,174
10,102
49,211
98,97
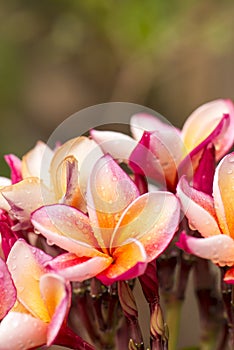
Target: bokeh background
60,56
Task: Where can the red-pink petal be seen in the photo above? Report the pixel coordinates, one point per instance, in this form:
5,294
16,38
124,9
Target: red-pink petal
219,248
157,156
22,331
199,209
145,122
7,290
204,173
14,164
204,120
67,227
229,276
74,268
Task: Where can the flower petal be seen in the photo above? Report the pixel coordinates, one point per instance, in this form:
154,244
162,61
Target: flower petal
152,219
66,227
219,248
199,209
73,268
70,184
117,144
85,151
110,190
26,265
36,163
157,156
203,121
7,290
229,276
145,122
57,298
14,164
204,173
190,163
22,331
24,197
223,191
130,261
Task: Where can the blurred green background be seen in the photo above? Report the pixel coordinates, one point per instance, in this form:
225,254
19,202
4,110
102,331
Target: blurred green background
59,56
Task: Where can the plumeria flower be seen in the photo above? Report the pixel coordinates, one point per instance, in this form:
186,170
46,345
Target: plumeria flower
212,216
163,152
121,234
34,300
49,177
7,290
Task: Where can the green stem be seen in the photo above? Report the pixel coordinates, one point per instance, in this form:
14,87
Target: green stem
173,316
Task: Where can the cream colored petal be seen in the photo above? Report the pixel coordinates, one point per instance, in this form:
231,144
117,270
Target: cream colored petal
199,209
223,192
152,219
117,144
110,191
204,120
66,227
85,151
36,163
26,196
25,264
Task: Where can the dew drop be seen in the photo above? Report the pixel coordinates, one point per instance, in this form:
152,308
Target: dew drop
114,178
13,267
49,242
229,171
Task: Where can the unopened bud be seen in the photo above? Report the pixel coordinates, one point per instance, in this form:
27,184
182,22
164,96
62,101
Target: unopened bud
127,300
157,325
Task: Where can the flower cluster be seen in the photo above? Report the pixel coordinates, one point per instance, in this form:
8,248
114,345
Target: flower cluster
80,223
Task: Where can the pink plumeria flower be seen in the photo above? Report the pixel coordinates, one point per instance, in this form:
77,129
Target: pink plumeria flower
212,216
7,290
38,299
50,177
121,234
163,152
